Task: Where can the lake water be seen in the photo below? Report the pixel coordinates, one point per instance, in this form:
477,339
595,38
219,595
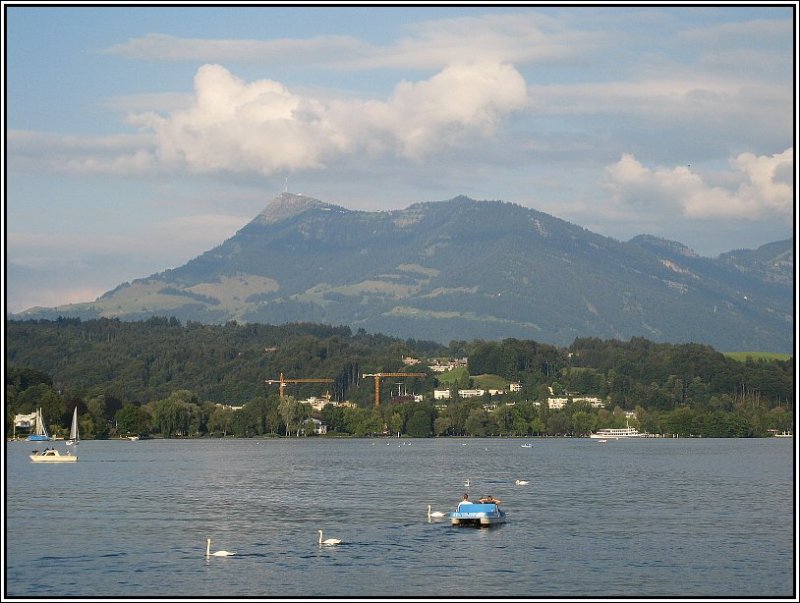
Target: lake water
647,517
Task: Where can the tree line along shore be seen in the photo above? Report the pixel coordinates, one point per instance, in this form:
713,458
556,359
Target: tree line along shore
168,379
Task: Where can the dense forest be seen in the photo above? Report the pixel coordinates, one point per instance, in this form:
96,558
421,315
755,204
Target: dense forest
170,379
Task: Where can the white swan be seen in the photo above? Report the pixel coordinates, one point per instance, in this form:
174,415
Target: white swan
217,553
434,513
328,541
522,482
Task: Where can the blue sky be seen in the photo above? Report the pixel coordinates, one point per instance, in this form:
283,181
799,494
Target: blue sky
139,137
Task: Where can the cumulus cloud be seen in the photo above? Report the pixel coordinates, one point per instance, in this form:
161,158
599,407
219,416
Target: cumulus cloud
764,187
263,126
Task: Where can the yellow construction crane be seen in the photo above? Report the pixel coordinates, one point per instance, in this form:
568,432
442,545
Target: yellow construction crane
378,381
282,382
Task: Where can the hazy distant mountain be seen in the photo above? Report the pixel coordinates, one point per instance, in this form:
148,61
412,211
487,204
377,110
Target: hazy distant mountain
466,269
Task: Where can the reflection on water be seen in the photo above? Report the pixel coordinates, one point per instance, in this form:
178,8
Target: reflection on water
648,518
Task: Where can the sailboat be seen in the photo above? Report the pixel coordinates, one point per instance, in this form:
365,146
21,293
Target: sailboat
74,437
40,430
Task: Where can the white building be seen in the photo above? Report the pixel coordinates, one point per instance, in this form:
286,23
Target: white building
317,403
319,427
25,421
440,365
557,403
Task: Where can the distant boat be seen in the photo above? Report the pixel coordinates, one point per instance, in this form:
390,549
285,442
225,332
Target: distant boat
51,455
784,434
74,436
615,433
40,430
526,445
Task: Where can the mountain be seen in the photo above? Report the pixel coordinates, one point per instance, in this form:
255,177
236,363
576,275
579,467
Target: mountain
465,269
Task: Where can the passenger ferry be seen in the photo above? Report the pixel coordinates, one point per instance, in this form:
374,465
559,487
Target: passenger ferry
616,433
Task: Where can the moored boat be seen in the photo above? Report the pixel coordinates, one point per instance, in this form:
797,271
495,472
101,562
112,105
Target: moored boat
40,429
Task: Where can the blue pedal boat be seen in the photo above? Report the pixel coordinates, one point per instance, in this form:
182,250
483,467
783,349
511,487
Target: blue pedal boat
477,514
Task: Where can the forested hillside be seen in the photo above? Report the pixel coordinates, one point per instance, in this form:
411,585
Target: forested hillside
166,377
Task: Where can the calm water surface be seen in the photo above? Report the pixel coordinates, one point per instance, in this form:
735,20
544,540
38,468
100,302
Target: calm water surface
654,518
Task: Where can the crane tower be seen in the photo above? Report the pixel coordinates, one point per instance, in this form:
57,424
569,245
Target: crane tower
283,381
378,376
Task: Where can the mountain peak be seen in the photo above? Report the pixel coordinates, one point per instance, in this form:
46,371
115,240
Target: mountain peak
287,205
657,244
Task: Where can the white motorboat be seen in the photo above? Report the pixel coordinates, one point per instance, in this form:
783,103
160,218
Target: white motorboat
51,455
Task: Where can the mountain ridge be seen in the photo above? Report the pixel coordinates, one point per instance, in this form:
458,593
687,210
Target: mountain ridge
461,269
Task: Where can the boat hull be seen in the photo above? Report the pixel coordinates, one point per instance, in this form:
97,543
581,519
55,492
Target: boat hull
38,438
479,515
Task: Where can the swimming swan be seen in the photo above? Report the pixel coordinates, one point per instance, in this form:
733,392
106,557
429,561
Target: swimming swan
522,482
328,541
434,513
217,553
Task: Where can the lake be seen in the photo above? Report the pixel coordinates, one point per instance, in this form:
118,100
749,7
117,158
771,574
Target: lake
642,517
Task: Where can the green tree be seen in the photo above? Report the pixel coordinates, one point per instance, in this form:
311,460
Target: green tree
504,416
132,419
476,422
419,424
220,420
582,423
291,413
395,423
441,425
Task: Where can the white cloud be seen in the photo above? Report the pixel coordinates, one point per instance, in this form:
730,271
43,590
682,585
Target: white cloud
684,98
157,101
161,47
762,32
520,38
119,154
764,190
263,126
